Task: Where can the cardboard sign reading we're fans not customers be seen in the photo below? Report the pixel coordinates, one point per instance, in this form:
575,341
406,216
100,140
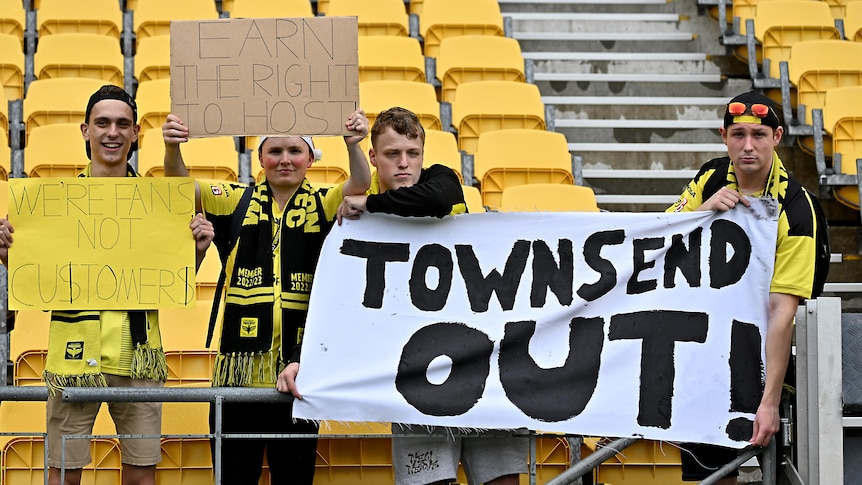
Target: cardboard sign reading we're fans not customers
271,76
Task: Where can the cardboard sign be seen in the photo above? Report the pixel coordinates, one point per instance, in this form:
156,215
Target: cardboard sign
272,76
110,243
601,324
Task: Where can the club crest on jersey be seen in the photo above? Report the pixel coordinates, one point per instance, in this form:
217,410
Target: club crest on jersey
217,190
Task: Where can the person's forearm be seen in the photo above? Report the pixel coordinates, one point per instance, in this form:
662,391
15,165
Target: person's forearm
174,165
360,174
782,310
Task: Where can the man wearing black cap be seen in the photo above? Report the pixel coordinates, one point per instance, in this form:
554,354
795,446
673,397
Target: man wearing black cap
129,342
751,131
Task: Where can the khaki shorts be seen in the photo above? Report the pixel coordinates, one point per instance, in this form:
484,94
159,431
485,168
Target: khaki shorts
73,418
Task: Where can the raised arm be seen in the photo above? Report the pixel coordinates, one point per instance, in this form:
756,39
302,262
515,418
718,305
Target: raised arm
360,174
174,132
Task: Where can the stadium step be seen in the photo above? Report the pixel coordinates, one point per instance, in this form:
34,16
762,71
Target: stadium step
638,95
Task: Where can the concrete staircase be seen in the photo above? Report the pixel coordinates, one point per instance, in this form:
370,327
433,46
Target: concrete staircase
637,93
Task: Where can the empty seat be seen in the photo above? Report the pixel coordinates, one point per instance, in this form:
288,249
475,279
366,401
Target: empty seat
506,158
22,459
185,329
380,17
4,197
469,58
191,367
30,333
11,68
779,25
61,100
79,55
43,159
842,119
420,98
390,58
839,9
820,65
12,20
473,198
548,198
442,147
256,9
153,58
213,158
153,17
447,18
100,17
853,21
495,105
154,105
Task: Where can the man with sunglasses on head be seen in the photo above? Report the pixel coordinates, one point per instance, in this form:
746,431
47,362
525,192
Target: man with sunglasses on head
751,131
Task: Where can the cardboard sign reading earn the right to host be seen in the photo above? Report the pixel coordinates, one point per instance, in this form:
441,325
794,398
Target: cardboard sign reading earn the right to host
297,76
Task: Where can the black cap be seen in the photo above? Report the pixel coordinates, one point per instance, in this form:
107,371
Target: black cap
749,99
109,91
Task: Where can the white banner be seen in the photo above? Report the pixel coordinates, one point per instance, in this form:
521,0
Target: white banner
601,324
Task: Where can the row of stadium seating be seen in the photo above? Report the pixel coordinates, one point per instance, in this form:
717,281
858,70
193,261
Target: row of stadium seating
807,56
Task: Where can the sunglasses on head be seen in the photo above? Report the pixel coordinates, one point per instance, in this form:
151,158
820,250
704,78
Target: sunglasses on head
736,108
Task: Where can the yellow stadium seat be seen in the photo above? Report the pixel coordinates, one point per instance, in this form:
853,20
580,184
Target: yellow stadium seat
43,159
390,58
779,25
380,17
495,105
442,147
153,58
256,9
505,158
853,22
842,119
29,367
30,333
469,58
817,66
61,100
100,17
185,328
213,158
23,462
79,55
191,367
153,17
11,68
416,6
447,18
420,98
473,198
12,20
838,8
154,105
548,198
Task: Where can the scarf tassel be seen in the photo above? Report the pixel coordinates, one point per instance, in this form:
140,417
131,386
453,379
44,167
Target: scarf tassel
149,363
56,383
238,369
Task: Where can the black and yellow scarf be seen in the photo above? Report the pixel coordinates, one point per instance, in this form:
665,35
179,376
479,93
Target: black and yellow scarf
75,350
247,344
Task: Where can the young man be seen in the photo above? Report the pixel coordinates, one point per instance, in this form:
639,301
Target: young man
130,342
402,187
752,168
270,271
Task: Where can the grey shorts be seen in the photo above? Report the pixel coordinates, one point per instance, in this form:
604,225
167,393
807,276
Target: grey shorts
488,455
71,418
